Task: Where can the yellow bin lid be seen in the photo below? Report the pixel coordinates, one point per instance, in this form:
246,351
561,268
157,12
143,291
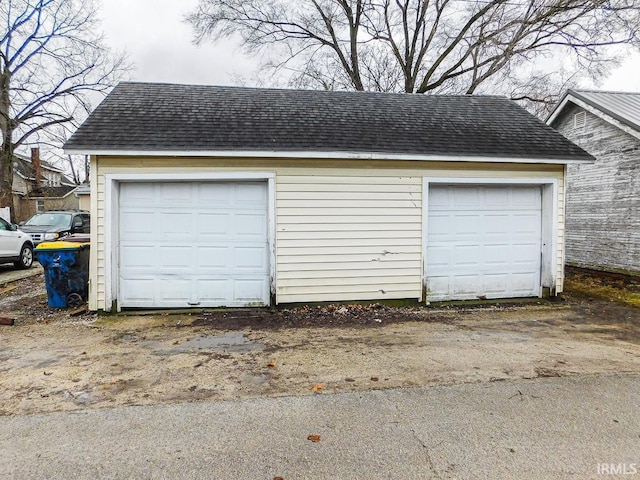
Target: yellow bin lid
61,245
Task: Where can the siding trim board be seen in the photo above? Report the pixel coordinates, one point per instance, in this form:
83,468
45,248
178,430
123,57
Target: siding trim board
322,155
112,221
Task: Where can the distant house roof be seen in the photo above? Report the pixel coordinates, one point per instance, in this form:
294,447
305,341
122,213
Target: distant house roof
83,189
51,192
24,168
621,106
167,119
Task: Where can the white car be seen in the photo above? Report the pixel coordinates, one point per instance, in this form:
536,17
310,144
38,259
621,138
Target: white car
15,246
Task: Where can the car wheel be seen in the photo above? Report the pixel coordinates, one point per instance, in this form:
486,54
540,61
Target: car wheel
26,257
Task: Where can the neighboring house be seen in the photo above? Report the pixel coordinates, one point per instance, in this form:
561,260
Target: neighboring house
53,191
83,192
221,196
603,198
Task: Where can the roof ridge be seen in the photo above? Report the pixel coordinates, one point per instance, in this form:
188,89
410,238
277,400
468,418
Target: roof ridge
608,92
308,90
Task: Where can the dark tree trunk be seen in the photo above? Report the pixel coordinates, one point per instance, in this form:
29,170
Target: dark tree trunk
6,150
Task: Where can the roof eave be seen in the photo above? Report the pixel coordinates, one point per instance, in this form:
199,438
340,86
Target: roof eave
588,104
320,155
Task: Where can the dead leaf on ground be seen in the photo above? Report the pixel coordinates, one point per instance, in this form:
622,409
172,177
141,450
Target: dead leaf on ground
314,438
374,379
271,364
317,387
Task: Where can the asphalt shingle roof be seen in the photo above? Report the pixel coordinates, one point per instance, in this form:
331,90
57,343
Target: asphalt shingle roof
191,118
51,192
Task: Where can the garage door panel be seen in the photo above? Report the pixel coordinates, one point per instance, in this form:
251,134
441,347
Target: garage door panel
214,258
466,285
495,284
527,253
141,223
438,198
528,198
139,290
496,197
467,255
193,243
173,288
214,290
462,197
495,223
250,194
439,224
437,284
142,195
175,224
250,225
526,224
483,241
212,225
175,257
250,258
176,194
466,224
220,196
521,282
494,255
249,291
138,256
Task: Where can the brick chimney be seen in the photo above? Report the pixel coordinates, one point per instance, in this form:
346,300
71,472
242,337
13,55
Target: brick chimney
35,165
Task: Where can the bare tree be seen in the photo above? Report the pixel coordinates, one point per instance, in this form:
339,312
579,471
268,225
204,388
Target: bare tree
428,46
51,141
52,55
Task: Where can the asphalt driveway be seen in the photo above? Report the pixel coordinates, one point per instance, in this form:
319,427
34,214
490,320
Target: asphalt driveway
550,428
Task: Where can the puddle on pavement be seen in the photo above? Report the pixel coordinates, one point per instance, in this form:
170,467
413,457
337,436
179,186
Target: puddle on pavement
229,342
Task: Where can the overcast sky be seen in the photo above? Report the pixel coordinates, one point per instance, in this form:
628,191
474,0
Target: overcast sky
159,44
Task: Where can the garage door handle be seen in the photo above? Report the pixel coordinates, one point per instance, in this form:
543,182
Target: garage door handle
194,304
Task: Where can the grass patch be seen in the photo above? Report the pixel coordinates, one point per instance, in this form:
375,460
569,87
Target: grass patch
588,286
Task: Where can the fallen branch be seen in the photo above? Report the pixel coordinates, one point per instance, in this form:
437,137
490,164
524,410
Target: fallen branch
8,289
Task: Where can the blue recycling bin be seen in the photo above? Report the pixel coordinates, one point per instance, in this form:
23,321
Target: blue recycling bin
66,272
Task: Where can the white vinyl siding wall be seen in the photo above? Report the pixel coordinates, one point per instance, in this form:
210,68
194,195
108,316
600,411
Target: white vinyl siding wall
345,229
347,237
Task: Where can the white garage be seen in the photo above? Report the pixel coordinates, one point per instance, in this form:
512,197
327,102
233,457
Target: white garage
193,244
483,242
211,196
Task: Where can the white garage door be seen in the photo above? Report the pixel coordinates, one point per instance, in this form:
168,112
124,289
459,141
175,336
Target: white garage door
483,242
193,244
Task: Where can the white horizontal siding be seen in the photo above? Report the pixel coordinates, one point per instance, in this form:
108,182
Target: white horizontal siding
348,237
388,253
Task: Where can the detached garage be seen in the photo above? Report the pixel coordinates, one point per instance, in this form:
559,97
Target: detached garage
222,196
